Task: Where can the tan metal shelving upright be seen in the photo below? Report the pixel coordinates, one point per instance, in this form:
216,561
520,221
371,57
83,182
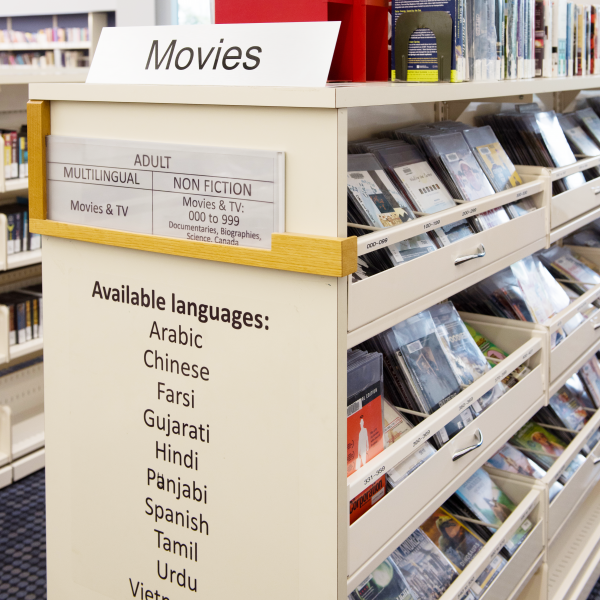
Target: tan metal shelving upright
277,405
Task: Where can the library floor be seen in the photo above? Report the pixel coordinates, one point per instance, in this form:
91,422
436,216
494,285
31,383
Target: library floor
23,541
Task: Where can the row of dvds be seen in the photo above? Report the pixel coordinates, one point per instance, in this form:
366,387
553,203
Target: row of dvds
50,58
424,169
25,310
535,290
18,236
424,566
43,36
542,138
406,373
16,156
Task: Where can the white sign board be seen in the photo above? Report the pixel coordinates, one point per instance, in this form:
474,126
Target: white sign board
258,54
220,195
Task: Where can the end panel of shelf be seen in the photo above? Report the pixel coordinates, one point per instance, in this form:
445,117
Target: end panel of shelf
6,474
29,464
28,433
575,552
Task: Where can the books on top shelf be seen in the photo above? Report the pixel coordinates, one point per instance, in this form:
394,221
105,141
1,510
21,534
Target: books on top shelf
25,320
18,237
45,36
16,158
494,40
45,59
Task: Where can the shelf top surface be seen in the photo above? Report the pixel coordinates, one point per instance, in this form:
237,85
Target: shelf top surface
332,96
26,75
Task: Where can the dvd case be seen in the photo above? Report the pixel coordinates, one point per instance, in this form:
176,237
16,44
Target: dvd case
426,570
491,505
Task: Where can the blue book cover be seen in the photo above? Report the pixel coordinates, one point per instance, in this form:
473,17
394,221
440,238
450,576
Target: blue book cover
422,55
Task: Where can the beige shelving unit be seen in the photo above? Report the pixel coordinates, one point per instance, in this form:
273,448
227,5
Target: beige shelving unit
319,554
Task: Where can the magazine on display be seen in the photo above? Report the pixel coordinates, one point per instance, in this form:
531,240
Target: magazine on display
426,570
491,505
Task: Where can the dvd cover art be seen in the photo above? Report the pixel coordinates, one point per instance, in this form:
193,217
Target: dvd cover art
497,166
491,505
424,189
365,408
426,570
465,356
512,460
386,582
455,541
367,499
381,205
495,355
429,366
545,446
467,175
579,140
568,408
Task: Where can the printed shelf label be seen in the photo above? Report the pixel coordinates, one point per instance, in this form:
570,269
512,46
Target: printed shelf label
229,196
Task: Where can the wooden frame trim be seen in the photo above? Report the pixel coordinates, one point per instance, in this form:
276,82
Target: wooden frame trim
335,257
38,127
319,255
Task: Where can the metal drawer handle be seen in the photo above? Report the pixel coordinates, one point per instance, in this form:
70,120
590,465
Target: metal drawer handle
464,259
596,326
596,461
461,453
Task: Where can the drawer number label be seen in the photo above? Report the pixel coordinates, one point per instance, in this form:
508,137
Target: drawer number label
431,224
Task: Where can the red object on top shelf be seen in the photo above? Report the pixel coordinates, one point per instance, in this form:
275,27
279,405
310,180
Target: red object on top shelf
361,53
